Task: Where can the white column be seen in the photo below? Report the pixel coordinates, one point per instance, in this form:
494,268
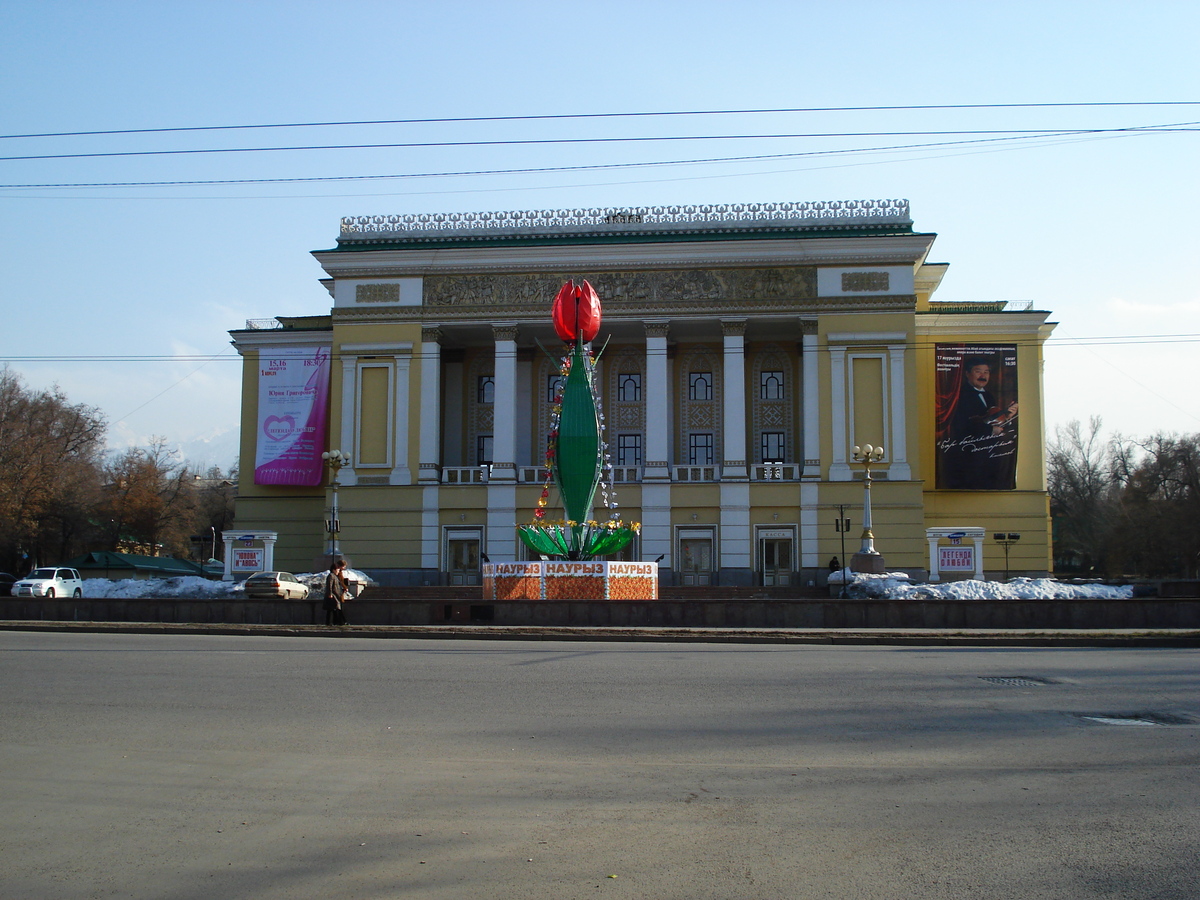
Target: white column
934,572
504,409
734,405
227,540
658,409
429,453
349,376
809,525
269,551
839,469
501,538
401,472
431,532
811,409
736,544
525,412
656,522
978,539
899,469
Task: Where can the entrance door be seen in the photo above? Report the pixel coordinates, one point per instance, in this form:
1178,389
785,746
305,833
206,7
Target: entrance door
463,560
777,561
695,561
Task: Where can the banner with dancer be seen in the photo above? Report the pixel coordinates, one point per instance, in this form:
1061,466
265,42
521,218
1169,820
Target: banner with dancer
293,405
976,416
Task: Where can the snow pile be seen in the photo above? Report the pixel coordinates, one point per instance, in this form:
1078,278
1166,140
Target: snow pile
191,587
845,576
187,587
888,587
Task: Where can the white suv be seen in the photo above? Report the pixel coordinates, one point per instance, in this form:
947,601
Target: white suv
49,583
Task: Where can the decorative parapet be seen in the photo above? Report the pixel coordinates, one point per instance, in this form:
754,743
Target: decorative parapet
706,217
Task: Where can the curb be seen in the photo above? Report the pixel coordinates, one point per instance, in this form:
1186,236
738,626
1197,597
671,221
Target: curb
1167,637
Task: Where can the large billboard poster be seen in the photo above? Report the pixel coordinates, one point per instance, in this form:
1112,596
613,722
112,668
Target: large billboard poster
976,417
293,404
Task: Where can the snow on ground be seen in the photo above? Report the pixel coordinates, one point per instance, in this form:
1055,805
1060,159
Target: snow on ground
191,587
892,586
889,587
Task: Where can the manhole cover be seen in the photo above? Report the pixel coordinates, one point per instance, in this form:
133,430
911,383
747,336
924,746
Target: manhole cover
1142,719
1016,680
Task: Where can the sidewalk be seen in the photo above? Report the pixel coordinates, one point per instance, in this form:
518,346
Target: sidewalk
984,637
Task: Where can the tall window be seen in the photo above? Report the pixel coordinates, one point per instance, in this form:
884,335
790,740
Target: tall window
700,449
629,387
770,385
773,446
700,386
486,390
483,450
629,449
554,386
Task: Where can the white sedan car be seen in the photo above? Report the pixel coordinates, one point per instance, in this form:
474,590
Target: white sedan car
276,584
49,582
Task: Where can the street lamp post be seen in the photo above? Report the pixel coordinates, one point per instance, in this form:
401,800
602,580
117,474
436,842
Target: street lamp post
842,524
1006,540
867,560
335,459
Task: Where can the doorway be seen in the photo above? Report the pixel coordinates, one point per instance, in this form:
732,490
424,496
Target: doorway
695,559
462,557
776,555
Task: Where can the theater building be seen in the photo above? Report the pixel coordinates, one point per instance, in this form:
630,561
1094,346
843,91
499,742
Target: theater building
745,351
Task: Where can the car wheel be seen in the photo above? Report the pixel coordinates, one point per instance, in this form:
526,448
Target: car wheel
78,593
49,593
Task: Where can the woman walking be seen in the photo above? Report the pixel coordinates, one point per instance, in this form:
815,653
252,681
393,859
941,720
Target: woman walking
335,592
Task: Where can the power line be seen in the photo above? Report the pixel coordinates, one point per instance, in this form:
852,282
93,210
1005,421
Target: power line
616,115
533,170
1032,132
226,356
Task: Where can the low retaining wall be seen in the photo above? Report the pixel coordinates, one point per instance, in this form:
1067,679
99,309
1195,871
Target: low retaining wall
1136,613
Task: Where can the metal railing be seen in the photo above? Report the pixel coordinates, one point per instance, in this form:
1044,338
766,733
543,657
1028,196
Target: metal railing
775,472
695,473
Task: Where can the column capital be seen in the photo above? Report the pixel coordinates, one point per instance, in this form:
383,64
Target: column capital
808,326
506,332
733,327
656,328
431,334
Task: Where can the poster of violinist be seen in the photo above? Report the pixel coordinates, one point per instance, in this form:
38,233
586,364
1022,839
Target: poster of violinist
976,416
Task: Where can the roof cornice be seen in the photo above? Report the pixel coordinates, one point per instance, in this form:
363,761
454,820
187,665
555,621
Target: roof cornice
876,250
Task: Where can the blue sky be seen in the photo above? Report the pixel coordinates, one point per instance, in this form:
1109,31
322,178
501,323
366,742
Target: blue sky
1099,228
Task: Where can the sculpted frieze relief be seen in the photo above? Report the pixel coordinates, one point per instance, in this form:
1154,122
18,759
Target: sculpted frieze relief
536,311
634,288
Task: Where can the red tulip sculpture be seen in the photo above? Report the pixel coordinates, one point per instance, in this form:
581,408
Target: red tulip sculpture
575,455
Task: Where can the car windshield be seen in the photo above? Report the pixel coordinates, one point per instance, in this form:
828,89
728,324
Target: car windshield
41,573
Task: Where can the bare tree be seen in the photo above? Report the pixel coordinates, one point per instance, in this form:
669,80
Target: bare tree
1160,505
49,458
148,501
1079,471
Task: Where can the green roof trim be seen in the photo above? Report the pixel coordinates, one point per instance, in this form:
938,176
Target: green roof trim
359,245
108,559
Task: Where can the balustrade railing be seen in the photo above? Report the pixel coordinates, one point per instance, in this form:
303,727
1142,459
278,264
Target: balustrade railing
465,474
775,472
806,213
694,473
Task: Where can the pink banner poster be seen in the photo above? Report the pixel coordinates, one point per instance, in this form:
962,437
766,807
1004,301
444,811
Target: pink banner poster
293,404
976,417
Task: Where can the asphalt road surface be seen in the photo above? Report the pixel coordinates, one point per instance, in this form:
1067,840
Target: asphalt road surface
205,766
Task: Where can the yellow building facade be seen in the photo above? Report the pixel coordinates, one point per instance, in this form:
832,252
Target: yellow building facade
745,351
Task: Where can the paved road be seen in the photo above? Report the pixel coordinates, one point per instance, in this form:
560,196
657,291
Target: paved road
207,766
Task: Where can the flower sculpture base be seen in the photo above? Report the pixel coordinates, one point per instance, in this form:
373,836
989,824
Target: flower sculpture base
593,580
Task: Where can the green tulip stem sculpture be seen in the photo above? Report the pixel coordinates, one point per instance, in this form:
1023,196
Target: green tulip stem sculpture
576,458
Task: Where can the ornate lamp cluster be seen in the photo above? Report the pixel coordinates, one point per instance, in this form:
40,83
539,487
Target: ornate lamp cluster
577,456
